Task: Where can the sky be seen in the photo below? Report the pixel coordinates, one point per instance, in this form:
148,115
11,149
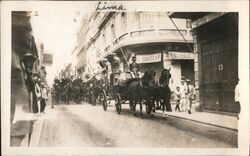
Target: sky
57,30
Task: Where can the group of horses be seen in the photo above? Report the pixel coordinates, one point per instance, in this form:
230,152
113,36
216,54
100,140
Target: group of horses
155,96
76,90
137,91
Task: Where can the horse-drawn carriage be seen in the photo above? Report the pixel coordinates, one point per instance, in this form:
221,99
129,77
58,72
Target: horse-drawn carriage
117,90
127,90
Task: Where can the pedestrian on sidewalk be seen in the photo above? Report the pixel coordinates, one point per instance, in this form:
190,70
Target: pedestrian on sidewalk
190,92
53,96
38,95
44,97
236,99
177,94
183,99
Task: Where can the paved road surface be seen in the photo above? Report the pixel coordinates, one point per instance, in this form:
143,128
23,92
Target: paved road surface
89,126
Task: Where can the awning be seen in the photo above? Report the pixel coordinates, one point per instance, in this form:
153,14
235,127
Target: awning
173,55
188,15
148,58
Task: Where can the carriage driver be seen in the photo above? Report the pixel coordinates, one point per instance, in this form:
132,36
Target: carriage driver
134,68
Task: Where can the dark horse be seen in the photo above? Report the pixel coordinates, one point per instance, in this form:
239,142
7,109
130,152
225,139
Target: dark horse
64,90
93,90
163,92
76,91
139,92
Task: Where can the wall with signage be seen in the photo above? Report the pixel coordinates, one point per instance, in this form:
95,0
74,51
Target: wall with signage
148,58
47,59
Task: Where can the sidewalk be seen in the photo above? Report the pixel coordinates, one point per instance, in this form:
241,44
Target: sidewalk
219,120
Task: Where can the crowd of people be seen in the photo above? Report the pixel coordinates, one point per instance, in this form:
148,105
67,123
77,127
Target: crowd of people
184,96
70,88
41,91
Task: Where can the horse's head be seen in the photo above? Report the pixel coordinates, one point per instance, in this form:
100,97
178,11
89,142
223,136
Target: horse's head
165,76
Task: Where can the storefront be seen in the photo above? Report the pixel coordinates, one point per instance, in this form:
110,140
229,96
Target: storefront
182,65
216,58
156,57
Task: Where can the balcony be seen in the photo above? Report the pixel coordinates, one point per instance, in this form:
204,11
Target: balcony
146,36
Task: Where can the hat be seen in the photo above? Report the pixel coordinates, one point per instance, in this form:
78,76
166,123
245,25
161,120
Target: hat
187,80
133,56
29,56
42,83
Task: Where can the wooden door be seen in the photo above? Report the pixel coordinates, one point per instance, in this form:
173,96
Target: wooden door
220,72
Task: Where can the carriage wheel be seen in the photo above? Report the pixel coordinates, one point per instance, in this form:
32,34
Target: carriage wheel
104,100
118,104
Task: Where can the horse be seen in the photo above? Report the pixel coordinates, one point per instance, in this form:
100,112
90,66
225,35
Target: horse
76,91
163,92
92,90
64,90
57,93
138,92
83,91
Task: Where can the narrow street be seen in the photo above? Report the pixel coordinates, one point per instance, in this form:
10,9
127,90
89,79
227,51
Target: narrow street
184,64
86,125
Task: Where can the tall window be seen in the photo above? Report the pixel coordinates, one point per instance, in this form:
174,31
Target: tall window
113,33
123,22
188,24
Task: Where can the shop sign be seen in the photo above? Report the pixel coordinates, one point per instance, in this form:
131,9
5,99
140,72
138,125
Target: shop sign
148,58
178,56
47,59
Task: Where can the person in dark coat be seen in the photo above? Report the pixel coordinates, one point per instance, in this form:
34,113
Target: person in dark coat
134,68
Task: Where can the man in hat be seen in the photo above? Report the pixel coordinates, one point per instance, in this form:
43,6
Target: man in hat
183,99
190,92
134,68
43,97
53,95
43,75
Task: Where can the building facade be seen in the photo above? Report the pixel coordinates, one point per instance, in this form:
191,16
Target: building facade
24,61
109,39
216,58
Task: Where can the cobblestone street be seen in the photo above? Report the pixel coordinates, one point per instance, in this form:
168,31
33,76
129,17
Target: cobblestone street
89,126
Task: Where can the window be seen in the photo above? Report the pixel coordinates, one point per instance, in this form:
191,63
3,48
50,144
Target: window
188,24
113,33
123,22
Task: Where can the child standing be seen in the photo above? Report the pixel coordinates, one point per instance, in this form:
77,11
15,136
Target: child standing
177,94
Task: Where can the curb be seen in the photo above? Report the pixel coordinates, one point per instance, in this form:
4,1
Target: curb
36,133
206,123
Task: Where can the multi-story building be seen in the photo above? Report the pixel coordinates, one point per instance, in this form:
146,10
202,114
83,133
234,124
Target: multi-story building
24,60
111,38
216,57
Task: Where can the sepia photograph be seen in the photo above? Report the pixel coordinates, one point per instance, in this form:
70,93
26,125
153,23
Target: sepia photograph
113,76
